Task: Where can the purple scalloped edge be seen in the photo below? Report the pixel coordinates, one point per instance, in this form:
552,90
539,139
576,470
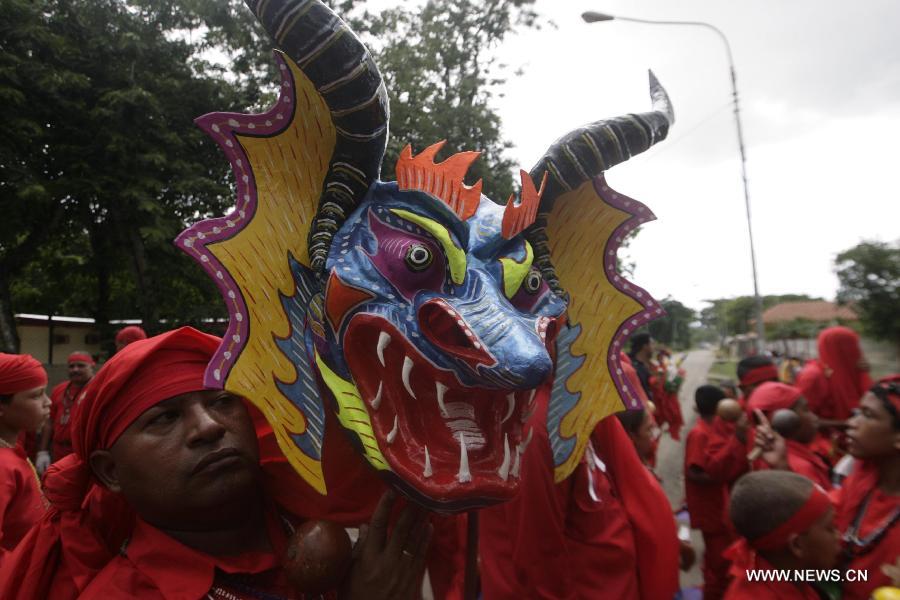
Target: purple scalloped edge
651,309
196,239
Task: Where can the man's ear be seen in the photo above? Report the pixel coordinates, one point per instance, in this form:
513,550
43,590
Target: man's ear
797,546
104,467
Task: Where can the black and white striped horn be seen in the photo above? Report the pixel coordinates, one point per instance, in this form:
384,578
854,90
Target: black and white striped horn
345,74
588,151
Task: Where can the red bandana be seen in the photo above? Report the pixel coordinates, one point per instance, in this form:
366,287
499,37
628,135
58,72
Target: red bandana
130,334
81,357
20,372
763,373
771,396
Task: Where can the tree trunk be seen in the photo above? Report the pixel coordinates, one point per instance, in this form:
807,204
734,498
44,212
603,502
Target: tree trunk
101,264
143,279
9,337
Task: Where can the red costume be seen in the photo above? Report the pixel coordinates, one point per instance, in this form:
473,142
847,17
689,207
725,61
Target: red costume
870,516
21,502
665,396
834,383
715,450
144,569
62,400
605,532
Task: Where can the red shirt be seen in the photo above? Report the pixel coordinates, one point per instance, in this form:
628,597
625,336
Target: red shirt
802,460
155,566
742,589
62,400
716,451
862,484
21,501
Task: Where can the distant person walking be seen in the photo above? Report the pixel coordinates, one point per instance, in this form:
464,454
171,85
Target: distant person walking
56,439
129,334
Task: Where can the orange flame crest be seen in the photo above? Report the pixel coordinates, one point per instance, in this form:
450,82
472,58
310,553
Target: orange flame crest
517,217
443,180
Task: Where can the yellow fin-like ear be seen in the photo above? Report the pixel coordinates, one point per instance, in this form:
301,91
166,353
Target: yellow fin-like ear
584,230
280,159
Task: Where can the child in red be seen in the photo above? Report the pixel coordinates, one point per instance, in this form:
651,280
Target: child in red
24,406
714,457
786,522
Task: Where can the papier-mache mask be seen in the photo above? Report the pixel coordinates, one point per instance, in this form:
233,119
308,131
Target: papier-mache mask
426,315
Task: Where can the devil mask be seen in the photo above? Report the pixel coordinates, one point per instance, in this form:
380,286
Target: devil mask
424,314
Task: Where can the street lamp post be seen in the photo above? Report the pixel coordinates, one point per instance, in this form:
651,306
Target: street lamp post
596,17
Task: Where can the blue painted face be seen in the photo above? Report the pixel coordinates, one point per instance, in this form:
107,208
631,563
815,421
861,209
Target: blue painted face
443,327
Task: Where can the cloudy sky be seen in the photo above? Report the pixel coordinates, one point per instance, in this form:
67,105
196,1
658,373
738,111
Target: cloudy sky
819,82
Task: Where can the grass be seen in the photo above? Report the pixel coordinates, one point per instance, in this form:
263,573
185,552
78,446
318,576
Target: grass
723,369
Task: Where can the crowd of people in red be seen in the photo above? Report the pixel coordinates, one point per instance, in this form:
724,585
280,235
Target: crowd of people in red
149,485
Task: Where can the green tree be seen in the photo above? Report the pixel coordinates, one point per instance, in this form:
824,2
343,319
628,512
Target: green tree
674,328
869,276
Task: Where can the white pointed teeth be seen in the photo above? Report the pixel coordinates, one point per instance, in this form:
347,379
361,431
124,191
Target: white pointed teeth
524,443
376,401
383,340
464,475
531,397
517,464
407,369
510,407
440,390
392,434
504,467
427,472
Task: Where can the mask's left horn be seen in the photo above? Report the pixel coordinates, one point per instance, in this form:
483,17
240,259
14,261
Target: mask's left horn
345,74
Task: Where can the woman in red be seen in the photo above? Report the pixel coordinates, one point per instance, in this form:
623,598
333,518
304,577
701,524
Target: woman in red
771,397
24,407
869,501
834,382
164,498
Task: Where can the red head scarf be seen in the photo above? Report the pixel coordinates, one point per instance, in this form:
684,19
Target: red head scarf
20,372
81,357
130,334
839,355
771,396
761,373
85,524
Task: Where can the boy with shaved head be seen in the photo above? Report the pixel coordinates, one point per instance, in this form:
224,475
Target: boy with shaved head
785,522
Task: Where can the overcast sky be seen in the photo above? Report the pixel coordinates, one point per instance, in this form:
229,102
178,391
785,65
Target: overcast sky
819,82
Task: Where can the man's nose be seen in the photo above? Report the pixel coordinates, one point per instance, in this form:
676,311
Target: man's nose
203,427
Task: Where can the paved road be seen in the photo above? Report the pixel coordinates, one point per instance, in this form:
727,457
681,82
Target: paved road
670,456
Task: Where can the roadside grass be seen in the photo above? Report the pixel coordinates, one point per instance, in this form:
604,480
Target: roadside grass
723,369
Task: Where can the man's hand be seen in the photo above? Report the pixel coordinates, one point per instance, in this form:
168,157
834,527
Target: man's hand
41,462
389,567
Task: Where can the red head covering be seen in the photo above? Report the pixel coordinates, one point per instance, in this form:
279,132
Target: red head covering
20,372
85,524
890,385
81,357
839,354
771,396
130,334
761,373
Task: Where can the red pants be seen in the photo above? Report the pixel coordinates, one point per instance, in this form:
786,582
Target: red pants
715,565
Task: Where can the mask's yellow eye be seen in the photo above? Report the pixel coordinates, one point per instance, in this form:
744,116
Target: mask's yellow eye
514,272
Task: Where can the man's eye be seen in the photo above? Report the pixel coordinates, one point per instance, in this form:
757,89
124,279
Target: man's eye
418,257
164,418
533,281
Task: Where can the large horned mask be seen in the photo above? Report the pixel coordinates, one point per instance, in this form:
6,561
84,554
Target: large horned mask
428,317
